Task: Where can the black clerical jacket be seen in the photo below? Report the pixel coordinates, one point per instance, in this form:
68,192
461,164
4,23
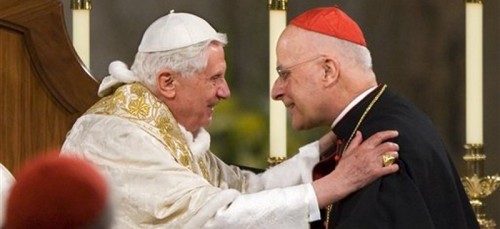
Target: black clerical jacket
426,193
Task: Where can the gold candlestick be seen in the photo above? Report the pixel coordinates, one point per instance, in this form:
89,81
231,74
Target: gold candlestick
278,4
477,185
275,160
81,4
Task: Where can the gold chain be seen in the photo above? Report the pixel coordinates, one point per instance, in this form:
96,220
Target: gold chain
330,206
328,211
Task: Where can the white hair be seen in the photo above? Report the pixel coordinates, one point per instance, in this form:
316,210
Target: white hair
355,54
351,54
186,61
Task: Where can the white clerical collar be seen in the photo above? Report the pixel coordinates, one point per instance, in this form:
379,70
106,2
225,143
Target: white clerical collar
352,104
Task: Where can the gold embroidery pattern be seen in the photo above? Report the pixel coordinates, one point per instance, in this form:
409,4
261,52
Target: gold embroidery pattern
139,108
203,169
135,103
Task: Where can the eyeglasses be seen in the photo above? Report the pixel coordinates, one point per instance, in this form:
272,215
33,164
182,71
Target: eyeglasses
284,72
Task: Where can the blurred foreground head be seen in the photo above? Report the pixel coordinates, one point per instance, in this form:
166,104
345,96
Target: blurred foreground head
58,192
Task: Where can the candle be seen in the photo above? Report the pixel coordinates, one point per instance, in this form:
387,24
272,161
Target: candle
81,29
277,135
474,72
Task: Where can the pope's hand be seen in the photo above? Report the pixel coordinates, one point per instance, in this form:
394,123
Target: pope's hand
360,165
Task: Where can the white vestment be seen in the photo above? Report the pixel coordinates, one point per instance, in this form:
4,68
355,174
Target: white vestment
163,178
6,183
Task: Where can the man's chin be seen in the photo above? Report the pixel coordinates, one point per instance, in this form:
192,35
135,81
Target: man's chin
207,123
299,126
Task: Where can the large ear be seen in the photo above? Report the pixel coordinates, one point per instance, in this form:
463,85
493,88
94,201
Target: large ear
166,83
331,66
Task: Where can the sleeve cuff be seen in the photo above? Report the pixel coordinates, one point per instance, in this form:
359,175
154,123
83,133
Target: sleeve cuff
314,213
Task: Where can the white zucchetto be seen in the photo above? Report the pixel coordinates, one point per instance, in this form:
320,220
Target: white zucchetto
176,30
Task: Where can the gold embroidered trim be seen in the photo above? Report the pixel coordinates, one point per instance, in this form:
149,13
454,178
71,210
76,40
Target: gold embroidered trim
137,104
364,115
203,169
329,208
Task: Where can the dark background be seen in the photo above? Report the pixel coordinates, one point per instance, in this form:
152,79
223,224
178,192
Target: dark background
418,48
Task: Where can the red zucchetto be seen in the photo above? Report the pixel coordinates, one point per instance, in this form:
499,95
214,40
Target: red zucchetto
330,21
57,193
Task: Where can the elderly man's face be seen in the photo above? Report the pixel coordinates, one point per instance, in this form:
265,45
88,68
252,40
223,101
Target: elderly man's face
199,94
300,79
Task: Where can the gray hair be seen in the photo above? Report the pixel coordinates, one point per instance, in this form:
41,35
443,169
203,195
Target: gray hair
352,53
186,61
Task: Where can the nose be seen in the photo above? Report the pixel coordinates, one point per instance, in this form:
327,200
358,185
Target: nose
223,91
277,90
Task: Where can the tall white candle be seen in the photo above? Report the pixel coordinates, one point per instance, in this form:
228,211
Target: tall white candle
474,72
277,139
81,34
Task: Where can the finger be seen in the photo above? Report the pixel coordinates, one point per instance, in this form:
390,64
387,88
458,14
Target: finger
355,142
381,136
389,169
386,148
394,154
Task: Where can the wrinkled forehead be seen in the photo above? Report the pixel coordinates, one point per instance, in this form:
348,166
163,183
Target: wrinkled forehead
295,42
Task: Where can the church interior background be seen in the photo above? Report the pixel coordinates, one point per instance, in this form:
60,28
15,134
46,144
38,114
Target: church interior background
417,46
